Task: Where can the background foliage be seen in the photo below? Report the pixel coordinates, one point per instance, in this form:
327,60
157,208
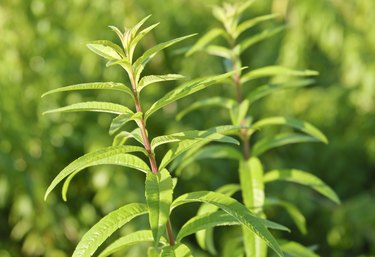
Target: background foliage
43,47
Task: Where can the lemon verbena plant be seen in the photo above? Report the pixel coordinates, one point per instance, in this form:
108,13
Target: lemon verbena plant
141,155
229,42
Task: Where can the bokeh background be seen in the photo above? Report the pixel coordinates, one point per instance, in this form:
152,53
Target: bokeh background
42,46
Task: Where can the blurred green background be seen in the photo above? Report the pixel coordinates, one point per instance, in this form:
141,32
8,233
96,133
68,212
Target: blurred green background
42,46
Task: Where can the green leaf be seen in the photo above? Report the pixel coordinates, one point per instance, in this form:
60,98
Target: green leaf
105,107
148,80
121,120
119,34
126,241
251,179
242,27
150,53
186,89
110,155
220,51
106,49
295,249
178,250
193,134
245,44
93,239
274,71
208,152
187,144
294,123
233,247
212,101
303,178
268,89
235,209
205,40
139,37
159,191
239,111
90,86
266,144
123,136
292,210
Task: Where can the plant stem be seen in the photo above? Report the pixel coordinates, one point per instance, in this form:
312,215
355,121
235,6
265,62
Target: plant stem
146,143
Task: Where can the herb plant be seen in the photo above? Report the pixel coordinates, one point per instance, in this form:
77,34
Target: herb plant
252,177
136,150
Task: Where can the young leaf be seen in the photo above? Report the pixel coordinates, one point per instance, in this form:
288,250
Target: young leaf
220,51
121,120
213,101
295,249
105,107
205,40
242,27
266,144
106,49
294,123
303,178
131,239
269,71
159,190
178,250
141,62
267,89
193,134
119,34
138,38
90,86
245,44
238,112
186,145
148,80
110,155
121,137
292,210
235,209
106,226
185,89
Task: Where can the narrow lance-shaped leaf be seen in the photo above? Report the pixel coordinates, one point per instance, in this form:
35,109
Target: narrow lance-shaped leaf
151,79
303,178
123,136
124,242
213,101
245,44
105,107
106,49
268,89
266,144
178,250
121,120
220,51
295,249
93,239
292,210
159,190
205,40
193,134
138,38
242,27
103,156
93,86
294,123
150,53
235,209
274,71
185,89
119,34
239,111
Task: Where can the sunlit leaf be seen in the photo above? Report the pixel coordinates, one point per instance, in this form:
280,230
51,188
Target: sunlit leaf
124,242
245,44
151,79
303,178
159,191
93,239
193,134
91,86
111,155
239,111
205,40
269,71
186,89
119,34
295,123
178,250
219,51
105,107
242,27
106,49
121,120
268,143
294,249
139,37
212,101
235,209
123,136
150,53
292,210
